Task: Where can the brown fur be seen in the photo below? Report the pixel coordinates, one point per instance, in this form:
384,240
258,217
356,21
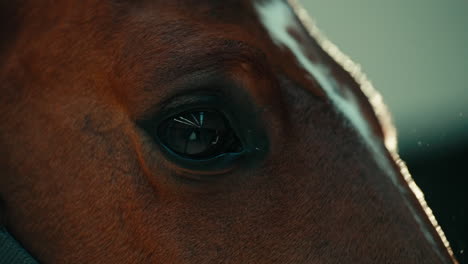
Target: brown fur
82,183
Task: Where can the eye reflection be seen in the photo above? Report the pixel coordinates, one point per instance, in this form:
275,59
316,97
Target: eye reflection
199,134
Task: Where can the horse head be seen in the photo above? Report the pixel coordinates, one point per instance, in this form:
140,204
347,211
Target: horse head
198,132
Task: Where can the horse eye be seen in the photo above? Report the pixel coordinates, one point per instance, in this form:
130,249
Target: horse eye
199,134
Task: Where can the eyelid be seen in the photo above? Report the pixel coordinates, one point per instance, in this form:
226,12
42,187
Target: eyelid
185,102
176,93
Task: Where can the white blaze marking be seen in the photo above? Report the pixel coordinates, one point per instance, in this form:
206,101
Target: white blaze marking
276,16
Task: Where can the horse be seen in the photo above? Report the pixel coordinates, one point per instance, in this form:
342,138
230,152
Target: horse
198,132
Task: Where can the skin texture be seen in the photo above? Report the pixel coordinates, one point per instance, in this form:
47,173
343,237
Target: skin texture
83,182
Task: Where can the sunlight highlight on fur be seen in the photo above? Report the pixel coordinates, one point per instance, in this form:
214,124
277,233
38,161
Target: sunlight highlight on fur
380,109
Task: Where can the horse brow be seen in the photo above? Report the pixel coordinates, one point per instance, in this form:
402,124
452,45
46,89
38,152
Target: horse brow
229,51
246,51
213,55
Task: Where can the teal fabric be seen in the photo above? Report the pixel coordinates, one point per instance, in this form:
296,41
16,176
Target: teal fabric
11,251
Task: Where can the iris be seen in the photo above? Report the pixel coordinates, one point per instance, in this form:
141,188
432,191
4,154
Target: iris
199,134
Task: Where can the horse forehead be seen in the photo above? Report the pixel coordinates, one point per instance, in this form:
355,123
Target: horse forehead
274,28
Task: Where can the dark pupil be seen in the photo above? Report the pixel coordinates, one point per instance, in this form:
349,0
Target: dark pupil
198,134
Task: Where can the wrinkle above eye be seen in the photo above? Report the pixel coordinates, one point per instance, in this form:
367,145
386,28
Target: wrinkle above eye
208,57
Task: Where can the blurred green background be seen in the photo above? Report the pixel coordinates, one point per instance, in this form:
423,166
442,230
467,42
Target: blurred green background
416,54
